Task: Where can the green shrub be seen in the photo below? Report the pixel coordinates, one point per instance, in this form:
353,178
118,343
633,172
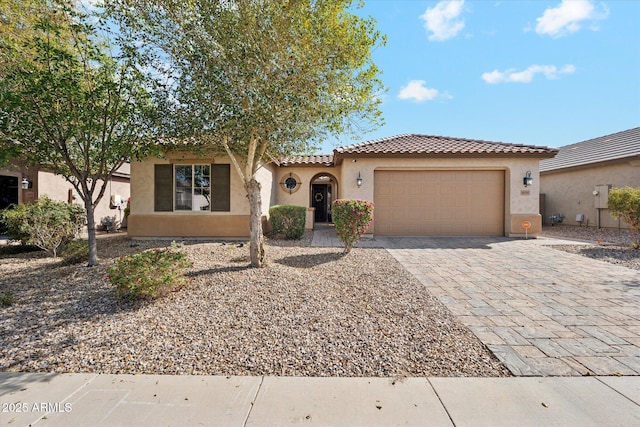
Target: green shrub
45,223
625,203
352,218
149,274
288,220
12,219
75,252
6,299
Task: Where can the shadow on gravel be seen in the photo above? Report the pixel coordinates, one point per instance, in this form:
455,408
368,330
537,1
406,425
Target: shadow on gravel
425,242
310,261
208,271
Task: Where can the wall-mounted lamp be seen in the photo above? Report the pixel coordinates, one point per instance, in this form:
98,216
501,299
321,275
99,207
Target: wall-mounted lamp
26,184
595,192
359,180
527,180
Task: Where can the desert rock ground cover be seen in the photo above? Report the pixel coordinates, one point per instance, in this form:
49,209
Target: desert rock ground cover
615,245
311,312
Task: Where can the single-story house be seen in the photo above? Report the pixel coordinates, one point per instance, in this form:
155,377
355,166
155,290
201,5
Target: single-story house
421,185
21,184
575,183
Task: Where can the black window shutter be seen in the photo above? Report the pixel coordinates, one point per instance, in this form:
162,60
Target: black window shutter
221,188
163,188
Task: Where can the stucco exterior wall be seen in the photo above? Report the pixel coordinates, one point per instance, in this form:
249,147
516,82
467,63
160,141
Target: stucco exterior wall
57,188
145,222
302,197
142,186
305,173
521,203
569,192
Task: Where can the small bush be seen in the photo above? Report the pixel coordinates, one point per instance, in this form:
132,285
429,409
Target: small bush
12,219
6,299
288,220
45,223
75,252
352,219
149,274
625,203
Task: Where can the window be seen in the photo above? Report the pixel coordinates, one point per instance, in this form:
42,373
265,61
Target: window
195,187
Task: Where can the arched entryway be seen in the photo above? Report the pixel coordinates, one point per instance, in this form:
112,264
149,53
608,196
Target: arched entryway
323,191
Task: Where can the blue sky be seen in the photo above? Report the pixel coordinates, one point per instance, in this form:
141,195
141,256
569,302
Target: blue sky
533,72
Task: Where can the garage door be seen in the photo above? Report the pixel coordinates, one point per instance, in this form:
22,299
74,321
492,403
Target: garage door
439,203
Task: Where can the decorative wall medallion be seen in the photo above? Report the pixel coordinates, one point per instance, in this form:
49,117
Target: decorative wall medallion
290,183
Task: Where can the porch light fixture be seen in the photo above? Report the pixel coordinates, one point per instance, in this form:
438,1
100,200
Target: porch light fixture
26,184
527,180
359,180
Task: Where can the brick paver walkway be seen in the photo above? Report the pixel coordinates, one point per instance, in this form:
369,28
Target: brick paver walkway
541,311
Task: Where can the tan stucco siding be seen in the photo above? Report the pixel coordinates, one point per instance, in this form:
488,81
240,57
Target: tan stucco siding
57,188
518,199
187,225
145,222
265,176
302,196
142,186
569,192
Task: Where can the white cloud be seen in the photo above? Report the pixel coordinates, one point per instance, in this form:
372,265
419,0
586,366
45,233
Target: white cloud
442,21
568,17
526,76
417,91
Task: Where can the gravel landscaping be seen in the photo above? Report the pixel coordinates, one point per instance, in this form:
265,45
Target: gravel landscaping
312,312
614,244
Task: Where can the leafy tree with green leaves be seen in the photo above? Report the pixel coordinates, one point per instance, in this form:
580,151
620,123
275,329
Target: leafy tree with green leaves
625,203
68,105
259,80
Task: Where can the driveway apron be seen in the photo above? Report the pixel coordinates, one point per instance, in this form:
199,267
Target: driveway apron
541,311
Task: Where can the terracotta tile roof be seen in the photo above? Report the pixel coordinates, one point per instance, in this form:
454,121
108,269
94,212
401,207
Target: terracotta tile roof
442,145
620,145
318,159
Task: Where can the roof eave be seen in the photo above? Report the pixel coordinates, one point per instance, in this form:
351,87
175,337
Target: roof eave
546,155
591,164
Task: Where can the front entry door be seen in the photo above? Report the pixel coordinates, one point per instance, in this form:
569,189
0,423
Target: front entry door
319,201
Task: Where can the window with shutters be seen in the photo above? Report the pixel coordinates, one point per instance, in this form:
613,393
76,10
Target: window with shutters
192,187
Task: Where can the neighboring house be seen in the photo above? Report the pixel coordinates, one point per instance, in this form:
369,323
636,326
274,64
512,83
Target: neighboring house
576,182
20,184
421,185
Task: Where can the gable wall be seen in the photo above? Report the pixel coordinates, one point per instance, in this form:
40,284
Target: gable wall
520,203
569,192
145,222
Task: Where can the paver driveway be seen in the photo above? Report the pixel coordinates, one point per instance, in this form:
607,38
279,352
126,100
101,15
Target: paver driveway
541,311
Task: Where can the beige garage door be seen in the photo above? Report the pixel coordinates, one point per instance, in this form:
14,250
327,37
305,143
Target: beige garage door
439,203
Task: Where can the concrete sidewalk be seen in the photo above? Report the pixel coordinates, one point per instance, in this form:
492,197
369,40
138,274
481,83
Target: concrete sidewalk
157,400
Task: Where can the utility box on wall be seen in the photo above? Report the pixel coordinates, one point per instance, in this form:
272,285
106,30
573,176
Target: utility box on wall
601,198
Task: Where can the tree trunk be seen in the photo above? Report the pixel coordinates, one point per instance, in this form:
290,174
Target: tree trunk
256,247
91,230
